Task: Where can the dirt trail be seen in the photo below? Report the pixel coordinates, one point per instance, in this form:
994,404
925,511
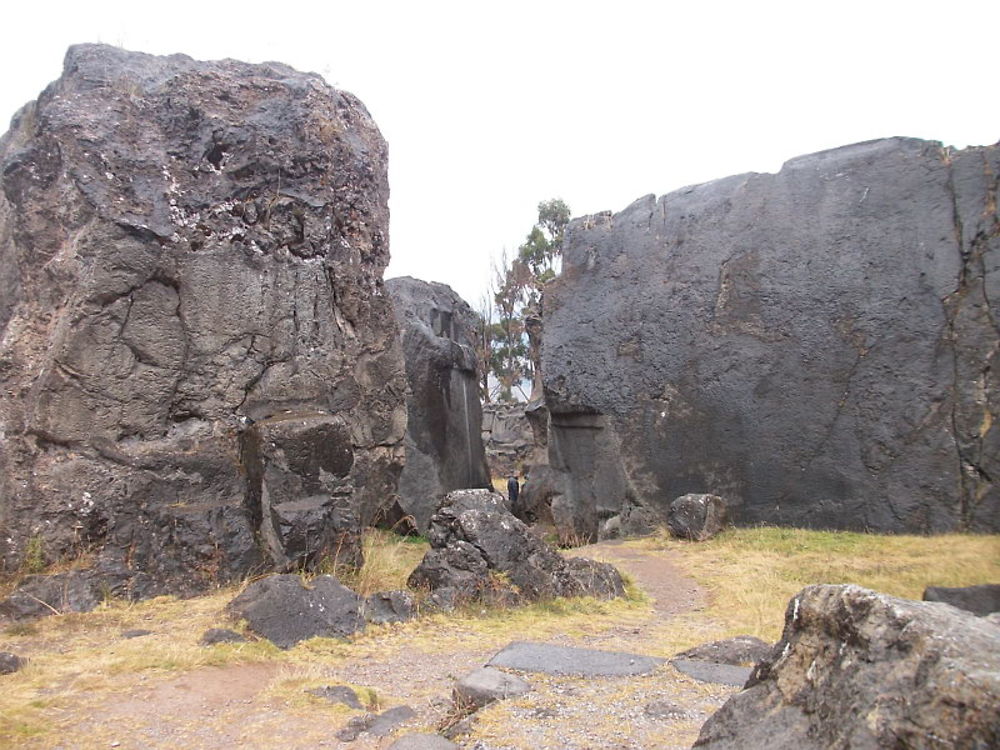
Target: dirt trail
671,590
238,705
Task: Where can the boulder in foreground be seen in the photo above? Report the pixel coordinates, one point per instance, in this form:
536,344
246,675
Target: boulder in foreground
200,375
858,669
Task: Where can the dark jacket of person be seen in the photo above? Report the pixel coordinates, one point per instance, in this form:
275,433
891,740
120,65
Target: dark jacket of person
513,489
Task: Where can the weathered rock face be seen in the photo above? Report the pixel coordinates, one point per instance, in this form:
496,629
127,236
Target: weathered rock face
444,446
196,348
863,670
815,346
508,437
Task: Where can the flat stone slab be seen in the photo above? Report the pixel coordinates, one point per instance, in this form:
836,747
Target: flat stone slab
527,656
718,674
423,742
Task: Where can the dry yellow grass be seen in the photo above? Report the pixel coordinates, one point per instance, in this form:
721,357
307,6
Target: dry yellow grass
753,573
79,661
388,561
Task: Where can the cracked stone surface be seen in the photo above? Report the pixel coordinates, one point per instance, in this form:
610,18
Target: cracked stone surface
818,346
859,669
199,367
443,441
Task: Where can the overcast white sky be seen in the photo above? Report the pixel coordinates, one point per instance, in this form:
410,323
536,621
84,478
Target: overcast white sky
489,108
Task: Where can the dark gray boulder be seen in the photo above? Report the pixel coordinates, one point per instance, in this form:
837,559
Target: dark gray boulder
285,609
859,669
740,650
814,345
191,257
981,600
10,663
479,550
697,517
444,447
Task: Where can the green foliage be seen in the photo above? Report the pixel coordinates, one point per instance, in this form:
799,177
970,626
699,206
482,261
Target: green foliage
507,347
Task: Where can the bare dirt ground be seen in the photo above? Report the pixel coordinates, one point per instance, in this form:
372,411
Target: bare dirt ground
263,704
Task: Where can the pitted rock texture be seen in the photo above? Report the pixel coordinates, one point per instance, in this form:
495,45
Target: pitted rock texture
480,551
818,346
858,669
444,446
187,249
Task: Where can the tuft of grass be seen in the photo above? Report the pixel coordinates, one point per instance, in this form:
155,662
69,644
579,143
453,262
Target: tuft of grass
753,573
389,559
34,555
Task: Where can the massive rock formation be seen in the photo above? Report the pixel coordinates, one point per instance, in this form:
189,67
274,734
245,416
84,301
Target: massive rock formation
817,346
199,369
857,669
444,446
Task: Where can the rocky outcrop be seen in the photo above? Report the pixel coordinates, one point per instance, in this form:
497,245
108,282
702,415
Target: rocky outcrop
444,447
480,551
859,669
817,346
196,352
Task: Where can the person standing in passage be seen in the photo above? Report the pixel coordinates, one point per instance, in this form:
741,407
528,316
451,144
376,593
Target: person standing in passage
513,490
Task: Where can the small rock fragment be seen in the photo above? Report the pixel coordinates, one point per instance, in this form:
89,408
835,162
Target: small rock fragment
221,635
488,684
10,663
338,694
136,633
